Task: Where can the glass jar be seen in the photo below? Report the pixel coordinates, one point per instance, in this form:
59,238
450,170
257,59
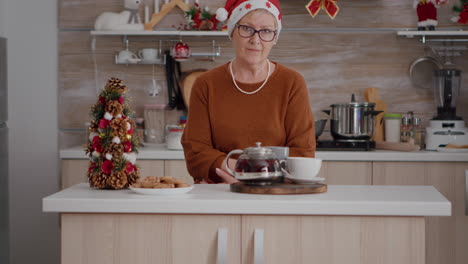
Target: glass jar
173,138
392,127
405,131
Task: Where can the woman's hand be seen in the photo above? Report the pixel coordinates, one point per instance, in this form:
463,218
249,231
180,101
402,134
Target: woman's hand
226,176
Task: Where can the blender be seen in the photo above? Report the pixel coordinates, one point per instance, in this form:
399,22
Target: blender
446,127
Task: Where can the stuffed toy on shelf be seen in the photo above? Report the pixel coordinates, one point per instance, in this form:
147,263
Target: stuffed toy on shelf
427,13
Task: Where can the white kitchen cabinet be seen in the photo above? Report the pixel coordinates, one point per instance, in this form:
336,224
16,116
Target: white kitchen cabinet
332,239
446,237
149,238
247,239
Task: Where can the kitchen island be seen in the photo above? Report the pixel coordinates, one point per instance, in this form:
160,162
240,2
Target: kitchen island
210,224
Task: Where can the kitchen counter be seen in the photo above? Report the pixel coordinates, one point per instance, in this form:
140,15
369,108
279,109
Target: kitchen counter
159,152
217,199
379,224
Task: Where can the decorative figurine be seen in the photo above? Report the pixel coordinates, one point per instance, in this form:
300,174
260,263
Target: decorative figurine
128,19
427,13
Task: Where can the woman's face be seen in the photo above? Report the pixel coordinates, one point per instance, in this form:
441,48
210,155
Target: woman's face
254,50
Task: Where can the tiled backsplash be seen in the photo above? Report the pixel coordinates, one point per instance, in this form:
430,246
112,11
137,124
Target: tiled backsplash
356,50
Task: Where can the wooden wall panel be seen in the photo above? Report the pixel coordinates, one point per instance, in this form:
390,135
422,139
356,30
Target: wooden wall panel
356,50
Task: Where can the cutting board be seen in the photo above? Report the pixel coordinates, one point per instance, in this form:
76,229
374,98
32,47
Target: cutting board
372,95
187,81
279,188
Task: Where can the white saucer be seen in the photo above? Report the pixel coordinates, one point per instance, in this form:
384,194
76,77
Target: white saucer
306,181
452,150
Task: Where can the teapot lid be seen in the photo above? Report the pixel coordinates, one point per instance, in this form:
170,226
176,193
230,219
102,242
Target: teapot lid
258,151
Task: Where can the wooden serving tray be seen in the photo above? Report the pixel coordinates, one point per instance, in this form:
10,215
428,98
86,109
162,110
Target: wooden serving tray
279,188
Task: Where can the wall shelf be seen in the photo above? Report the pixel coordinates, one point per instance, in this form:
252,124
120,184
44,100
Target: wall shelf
161,33
425,35
441,42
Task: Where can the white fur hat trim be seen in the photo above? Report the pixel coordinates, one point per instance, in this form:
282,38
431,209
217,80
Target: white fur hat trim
221,14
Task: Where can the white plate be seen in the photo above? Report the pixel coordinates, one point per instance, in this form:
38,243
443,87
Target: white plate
164,191
452,150
306,181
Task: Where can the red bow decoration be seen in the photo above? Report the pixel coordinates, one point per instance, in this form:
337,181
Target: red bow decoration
330,7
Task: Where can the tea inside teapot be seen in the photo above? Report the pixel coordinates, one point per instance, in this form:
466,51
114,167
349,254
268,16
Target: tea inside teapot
256,165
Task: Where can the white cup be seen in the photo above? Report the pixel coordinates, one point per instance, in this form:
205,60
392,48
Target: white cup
148,54
303,168
126,56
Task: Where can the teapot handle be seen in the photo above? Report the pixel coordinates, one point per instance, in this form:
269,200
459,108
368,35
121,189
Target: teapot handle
236,151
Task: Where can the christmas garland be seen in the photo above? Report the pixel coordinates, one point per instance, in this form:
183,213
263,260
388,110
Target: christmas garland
198,18
112,145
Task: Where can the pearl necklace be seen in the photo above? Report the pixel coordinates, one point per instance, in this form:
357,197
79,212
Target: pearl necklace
259,88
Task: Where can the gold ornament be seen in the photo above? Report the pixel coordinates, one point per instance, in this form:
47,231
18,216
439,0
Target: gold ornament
129,137
102,135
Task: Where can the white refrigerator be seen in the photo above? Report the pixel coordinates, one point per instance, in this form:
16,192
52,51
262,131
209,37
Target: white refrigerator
4,178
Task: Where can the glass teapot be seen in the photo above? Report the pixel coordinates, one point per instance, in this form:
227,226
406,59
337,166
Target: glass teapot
256,165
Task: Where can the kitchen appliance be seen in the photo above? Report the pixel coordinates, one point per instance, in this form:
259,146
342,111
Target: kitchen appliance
351,125
446,127
256,166
4,176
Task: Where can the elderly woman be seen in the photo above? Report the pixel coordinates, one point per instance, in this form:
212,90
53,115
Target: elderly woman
249,99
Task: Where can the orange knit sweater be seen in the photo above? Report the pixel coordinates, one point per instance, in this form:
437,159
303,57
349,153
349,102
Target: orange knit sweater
221,118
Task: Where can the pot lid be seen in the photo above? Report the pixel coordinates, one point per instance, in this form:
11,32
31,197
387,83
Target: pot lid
258,151
353,103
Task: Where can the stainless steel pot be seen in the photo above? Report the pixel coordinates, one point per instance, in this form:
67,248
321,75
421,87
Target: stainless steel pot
352,120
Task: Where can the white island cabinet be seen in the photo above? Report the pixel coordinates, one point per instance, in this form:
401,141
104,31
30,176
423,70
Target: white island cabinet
347,224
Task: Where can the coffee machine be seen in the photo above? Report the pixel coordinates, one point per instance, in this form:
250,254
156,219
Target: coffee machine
446,127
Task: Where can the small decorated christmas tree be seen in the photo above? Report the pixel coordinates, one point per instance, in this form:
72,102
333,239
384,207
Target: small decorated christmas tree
112,145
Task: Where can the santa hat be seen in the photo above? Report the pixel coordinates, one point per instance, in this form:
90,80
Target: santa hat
234,10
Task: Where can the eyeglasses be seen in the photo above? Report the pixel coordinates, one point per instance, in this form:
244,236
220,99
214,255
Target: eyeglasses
266,35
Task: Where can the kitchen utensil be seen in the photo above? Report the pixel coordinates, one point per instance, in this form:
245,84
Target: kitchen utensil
372,95
161,191
173,75
319,126
392,127
303,168
421,70
306,181
149,54
352,120
279,188
256,165
187,80
127,56
174,137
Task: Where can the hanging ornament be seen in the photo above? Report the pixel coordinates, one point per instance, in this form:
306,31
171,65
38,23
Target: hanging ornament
329,6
